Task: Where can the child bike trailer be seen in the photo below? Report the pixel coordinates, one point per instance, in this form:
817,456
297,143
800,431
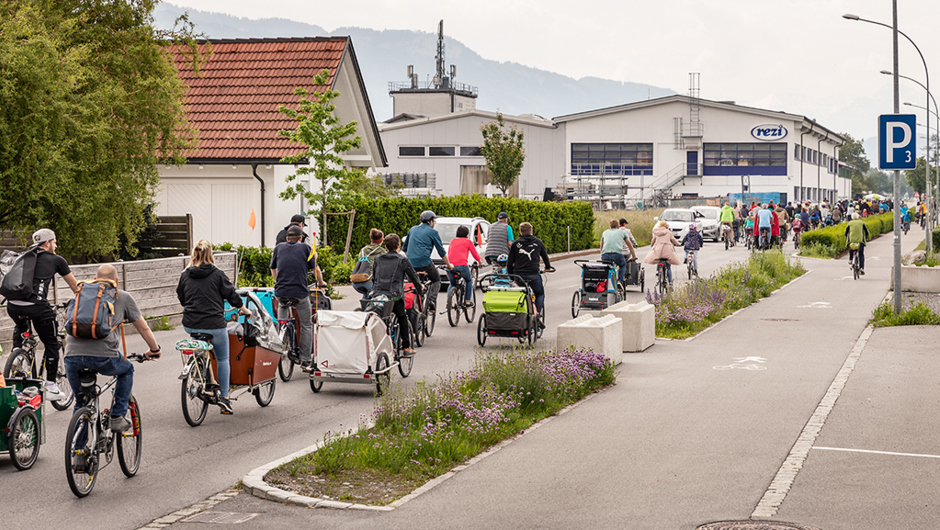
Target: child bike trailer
351,347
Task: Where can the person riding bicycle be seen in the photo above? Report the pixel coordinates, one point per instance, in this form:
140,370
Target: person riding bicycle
726,217
692,241
663,247
295,220
764,222
36,309
905,217
524,254
458,252
370,251
856,234
202,290
388,278
422,239
612,242
291,262
104,355
628,250
498,238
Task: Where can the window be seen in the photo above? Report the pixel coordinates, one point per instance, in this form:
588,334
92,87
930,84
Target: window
745,159
441,150
410,151
796,152
611,159
470,151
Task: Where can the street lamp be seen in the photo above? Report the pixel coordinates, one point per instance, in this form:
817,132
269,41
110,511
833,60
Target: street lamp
936,168
897,174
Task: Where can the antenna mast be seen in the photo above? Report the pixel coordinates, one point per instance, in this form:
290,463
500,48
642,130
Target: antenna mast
439,74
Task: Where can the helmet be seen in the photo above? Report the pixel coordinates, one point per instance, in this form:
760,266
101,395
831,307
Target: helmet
692,226
427,216
502,258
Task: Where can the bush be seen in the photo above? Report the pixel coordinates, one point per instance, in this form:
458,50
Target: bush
254,266
936,238
918,315
832,238
550,220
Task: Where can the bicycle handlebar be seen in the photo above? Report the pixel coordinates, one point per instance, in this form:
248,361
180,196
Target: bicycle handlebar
140,357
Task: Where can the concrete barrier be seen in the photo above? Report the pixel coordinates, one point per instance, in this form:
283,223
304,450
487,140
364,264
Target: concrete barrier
639,324
918,279
599,334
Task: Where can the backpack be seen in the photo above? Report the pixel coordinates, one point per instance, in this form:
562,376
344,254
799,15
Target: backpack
362,272
89,314
17,270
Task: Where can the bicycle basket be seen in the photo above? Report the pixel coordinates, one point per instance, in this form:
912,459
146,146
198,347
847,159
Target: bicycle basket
381,305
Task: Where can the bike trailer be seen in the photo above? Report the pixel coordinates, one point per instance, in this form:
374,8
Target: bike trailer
348,343
506,308
598,285
13,398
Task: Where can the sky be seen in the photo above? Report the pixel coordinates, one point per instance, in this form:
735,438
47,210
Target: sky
797,56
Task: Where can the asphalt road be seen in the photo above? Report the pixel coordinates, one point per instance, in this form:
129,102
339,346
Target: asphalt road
183,465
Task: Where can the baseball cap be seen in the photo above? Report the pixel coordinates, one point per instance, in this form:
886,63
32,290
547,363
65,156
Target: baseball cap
42,235
502,215
294,231
298,218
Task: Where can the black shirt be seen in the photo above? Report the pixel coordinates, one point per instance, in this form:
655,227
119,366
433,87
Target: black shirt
524,254
202,291
292,261
47,266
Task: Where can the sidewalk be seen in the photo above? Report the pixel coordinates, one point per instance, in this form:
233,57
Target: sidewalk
696,431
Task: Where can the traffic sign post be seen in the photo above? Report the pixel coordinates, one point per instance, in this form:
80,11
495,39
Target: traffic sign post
897,141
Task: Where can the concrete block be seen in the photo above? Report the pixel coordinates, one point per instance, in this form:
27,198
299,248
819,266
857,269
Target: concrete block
602,335
639,324
918,279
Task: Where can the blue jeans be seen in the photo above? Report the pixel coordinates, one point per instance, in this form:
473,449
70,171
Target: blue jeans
363,288
220,352
620,261
464,272
535,283
115,366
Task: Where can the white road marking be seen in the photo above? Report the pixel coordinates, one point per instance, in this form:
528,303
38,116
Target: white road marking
890,453
817,305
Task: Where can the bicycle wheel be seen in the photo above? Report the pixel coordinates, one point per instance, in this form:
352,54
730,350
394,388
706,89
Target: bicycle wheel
469,313
265,392
690,268
130,442
540,325
23,440
429,321
530,332
285,368
81,461
453,306
315,385
405,364
19,364
194,404
481,330
727,243
575,304
855,266
417,326
382,380
62,381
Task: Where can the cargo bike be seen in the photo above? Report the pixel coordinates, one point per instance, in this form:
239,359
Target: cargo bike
508,310
599,287
255,351
21,413
355,347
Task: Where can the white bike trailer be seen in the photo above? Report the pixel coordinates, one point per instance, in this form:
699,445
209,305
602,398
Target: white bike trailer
351,347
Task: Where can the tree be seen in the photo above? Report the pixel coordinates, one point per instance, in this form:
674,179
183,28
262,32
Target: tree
852,153
504,152
915,177
90,103
325,139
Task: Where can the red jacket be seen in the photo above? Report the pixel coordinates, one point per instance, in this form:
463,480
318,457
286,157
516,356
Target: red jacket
775,225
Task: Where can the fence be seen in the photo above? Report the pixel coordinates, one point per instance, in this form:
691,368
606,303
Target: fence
152,283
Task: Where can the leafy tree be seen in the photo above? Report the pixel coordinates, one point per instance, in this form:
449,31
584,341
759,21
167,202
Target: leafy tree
89,104
915,177
504,151
881,182
325,139
853,155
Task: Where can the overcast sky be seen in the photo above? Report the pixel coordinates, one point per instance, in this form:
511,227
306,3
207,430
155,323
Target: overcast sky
798,56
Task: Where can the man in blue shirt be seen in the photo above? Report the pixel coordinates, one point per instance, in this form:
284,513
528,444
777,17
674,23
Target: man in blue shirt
421,240
290,263
764,220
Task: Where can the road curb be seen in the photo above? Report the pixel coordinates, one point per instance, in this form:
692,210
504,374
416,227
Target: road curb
254,482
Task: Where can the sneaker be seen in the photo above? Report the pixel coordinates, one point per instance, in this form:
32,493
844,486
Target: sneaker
53,393
306,366
407,352
119,424
226,406
861,271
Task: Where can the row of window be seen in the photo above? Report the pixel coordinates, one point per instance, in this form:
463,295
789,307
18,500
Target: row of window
438,150
745,154
812,156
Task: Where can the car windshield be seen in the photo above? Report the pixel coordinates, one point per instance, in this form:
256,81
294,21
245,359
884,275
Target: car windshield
709,214
447,231
677,215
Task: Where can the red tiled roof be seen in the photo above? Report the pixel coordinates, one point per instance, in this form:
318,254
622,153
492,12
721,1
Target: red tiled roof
233,101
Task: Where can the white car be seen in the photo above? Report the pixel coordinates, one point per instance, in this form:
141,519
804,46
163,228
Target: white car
711,226
679,220
447,228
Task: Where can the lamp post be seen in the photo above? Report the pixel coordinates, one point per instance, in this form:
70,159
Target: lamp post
897,174
936,168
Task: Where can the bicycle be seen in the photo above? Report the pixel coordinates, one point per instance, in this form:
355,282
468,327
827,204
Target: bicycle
90,443
428,313
854,264
662,276
726,236
456,301
796,239
393,328
906,225
693,270
23,362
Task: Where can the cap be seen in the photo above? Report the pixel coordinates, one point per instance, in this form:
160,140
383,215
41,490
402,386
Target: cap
42,235
502,215
294,231
298,218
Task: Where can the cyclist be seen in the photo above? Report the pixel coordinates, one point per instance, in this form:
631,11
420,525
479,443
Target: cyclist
202,291
774,225
295,220
627,251
290,263
388,278
662,247
906,217
623,226
797,227
749,225
104,355
458,252
612,241
764,222
726,216
783,221
36,309
370,251
692,241
856,234
498,238
524,254
423,238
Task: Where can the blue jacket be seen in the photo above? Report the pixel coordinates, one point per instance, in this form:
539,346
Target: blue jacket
421,240
692,240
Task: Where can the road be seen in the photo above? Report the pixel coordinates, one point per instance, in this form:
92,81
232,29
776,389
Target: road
183,465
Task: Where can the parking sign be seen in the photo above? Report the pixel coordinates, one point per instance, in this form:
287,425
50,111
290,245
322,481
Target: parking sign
897,141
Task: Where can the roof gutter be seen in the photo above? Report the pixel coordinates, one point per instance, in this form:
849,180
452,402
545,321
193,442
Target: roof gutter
254,172
819,167
803,155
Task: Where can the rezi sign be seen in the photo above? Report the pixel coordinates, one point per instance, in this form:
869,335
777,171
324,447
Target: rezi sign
769,133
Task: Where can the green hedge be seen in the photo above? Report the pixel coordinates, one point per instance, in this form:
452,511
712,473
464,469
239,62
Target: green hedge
936,238
550,220
834,236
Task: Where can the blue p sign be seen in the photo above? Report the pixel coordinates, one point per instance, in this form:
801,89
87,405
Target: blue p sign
897,141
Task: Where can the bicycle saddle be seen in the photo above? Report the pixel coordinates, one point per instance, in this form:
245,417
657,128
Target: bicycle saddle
205,337
87,377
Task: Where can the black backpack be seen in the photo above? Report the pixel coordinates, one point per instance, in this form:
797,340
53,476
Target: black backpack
17,270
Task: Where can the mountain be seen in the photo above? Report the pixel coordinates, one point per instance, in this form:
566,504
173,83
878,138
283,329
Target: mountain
384,56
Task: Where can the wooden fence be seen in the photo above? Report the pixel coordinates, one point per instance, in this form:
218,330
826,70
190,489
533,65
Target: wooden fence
152,283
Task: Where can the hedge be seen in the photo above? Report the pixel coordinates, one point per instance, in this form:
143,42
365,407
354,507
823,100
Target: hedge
550,220
936,238
834,236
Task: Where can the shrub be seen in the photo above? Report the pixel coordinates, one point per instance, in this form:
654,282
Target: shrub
833,237
918,315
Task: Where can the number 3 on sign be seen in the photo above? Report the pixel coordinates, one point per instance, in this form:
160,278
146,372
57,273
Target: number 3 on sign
908,157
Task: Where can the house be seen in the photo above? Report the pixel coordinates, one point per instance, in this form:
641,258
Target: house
232,180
